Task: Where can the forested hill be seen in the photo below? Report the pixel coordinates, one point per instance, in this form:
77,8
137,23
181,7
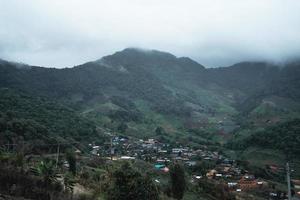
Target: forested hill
140,72
283,138
39,121
146,89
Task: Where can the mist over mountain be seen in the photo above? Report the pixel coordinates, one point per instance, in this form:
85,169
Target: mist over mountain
64,34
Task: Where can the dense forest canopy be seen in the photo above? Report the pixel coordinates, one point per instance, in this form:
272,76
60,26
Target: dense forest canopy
284,137
28,118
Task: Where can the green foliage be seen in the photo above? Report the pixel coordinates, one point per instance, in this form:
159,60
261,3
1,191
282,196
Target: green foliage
128,184
46,170
15,183
160,131
202,167
178,182
284,137
71,159
211,189
170,87
69,182
85,197
27,118
122,128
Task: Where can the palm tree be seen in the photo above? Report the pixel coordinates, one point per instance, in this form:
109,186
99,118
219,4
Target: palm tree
46,170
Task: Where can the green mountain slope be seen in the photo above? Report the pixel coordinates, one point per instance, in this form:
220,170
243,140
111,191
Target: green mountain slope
273,145
145,89
24,118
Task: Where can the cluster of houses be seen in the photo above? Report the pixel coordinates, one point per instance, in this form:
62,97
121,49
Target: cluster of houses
225,171
160,154
121,147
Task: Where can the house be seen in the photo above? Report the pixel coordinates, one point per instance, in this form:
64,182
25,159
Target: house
78,151
179,150
165,169
296,183
227,162
159,166
232,184
178,158
197,176
150,141
226,169
127,158
66,164
176,150
94,152
248,182
162,160
211,173
162,151
190,163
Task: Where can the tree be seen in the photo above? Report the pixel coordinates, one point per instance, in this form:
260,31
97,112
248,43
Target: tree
201,168
160,130
71,158
46,170
146,189
178,182
122,127
128,184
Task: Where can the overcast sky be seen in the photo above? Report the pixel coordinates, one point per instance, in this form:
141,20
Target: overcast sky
64,33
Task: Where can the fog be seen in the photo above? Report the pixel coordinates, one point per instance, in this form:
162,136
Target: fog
64,33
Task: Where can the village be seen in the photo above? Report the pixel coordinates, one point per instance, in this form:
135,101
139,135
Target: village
222,170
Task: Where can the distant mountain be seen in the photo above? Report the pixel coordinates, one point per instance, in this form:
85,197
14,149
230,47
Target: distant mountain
146,89
163,65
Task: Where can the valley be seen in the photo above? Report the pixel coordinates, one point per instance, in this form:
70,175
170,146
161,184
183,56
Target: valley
151,108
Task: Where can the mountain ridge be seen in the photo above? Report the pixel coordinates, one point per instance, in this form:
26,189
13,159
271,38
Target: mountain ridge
182,93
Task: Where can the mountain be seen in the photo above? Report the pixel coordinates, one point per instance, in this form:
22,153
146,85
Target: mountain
143,90
35,121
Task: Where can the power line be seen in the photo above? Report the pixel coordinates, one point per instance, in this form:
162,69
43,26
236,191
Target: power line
57,156
288,179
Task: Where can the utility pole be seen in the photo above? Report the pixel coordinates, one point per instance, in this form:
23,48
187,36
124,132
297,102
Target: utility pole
288,179
57,155
111,148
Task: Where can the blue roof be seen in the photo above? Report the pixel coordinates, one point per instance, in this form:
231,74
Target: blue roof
159,166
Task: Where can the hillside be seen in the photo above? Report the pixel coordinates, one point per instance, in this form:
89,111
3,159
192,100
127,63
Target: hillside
144,105
38,122
145,89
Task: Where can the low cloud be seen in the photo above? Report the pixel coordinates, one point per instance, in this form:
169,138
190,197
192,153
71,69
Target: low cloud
56,33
